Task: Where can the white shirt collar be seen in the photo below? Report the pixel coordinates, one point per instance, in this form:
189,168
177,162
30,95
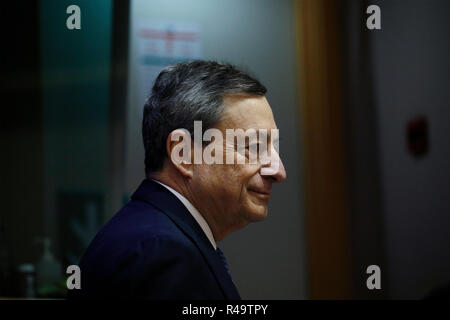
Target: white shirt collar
194,212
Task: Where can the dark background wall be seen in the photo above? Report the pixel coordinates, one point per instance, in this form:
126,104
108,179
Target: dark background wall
21,132
400,202
411,78
76,72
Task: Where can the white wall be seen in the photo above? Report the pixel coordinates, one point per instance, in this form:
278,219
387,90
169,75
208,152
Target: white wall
267,259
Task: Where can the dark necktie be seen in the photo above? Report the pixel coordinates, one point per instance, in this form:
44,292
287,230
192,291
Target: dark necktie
224,260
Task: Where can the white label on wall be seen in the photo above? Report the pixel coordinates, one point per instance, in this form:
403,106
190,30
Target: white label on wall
159,44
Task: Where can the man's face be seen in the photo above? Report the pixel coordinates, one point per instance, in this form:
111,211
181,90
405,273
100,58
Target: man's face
237,194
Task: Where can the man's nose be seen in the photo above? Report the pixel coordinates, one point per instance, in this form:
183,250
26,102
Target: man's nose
275,168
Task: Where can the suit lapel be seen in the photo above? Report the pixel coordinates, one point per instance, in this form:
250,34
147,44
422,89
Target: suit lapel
168,203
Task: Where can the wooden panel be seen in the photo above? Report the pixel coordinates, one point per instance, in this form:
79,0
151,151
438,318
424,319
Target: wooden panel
325,171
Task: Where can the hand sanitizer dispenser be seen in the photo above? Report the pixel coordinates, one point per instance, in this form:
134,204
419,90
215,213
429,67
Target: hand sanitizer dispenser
48,270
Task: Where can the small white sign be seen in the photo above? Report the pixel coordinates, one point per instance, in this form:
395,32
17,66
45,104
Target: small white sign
159,44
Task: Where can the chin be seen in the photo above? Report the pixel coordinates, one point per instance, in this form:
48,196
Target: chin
257,214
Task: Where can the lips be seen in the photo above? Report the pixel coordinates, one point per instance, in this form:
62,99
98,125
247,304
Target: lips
261,192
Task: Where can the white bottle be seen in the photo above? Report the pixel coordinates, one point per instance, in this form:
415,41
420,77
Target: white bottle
48,269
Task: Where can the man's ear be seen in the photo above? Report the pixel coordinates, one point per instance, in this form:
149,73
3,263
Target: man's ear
179,151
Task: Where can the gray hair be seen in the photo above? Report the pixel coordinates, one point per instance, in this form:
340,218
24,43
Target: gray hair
188,92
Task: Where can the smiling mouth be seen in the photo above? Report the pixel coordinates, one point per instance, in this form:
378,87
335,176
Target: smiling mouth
260,194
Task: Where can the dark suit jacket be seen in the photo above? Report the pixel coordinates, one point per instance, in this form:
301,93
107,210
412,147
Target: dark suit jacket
153,248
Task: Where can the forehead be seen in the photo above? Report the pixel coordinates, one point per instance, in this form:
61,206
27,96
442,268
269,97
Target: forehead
247,112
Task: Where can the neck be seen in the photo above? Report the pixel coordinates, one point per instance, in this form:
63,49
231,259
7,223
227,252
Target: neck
182,186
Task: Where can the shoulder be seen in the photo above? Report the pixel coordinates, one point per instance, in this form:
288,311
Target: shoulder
138,230
139,234
137,221
141,252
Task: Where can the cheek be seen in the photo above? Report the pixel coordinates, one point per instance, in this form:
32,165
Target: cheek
256,180
228,182
246,175
220,179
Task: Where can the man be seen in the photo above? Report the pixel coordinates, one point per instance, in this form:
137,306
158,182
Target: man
163,243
